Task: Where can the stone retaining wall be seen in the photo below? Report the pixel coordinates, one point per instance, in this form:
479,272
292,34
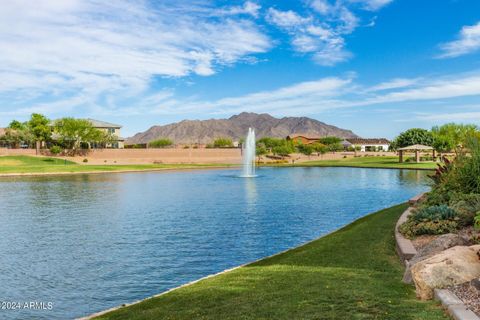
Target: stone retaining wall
405,249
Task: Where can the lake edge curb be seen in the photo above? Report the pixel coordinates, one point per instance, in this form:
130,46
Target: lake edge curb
454,306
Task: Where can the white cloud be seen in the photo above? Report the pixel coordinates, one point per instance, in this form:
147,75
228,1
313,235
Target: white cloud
394,84
250,8
324,42
286,19
313,97
321,6
467,42
65,48
321,30
449,117
372,5
316,97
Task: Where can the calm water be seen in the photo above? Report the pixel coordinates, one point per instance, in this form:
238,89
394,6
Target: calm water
90,242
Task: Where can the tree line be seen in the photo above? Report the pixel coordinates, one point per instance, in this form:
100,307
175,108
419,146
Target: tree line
67,135
450,137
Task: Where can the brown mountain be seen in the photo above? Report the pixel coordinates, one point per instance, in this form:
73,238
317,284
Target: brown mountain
236,127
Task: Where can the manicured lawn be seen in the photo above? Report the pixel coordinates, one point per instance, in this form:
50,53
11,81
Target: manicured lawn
369,162
353,273
27,164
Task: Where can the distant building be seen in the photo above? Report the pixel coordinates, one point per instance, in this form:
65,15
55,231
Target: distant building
367,144
113,129
299,138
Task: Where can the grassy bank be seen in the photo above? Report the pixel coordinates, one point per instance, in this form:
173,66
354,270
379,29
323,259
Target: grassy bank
353,273
38,165
367,162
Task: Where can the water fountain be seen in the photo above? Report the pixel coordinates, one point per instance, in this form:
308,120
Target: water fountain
249,155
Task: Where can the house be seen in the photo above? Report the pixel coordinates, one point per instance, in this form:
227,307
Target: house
299,138
380,144
113,129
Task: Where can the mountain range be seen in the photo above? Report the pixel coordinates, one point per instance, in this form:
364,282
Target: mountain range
236,127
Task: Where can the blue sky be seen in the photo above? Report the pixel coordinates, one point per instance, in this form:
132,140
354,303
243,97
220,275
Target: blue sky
374,66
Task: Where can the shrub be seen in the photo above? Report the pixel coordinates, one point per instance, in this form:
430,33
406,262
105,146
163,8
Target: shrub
431,220
413,228
467,206
223,143
477,221
432,213
55,150
85,160
330,140
160,143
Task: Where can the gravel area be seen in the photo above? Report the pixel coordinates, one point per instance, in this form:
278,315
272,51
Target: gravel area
469,296
421,241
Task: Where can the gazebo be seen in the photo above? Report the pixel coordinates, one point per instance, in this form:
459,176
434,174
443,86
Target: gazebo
416,148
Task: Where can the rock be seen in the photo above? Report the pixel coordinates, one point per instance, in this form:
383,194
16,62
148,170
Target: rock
441,243
450,267
475,285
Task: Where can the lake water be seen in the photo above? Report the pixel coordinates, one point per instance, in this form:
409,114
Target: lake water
89,242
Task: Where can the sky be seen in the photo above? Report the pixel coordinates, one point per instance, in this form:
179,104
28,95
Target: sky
376,67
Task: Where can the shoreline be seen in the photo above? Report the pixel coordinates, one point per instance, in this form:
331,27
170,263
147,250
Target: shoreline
207,167
65,173
103,312
344,166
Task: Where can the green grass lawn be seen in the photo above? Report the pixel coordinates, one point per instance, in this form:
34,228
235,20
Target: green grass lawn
368,162
353,273
27,164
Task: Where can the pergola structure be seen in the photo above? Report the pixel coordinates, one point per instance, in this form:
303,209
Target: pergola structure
417,148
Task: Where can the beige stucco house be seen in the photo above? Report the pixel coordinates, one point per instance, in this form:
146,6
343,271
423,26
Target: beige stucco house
113,129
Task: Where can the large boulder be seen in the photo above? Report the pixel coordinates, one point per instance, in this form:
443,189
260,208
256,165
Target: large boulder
437,245
450,267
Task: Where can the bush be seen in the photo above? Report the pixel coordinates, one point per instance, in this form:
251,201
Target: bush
433,213
330,140
223,143
55,150
477,222
467,206
431,220
160,143
85,160
412,228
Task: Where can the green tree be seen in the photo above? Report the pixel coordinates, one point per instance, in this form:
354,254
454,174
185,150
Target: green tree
452,136
16,134
330,140
337,146
284,149
306,149
270,142
39,127
413,136
223,143
260,149
17,125
320,148
160,143
73,132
